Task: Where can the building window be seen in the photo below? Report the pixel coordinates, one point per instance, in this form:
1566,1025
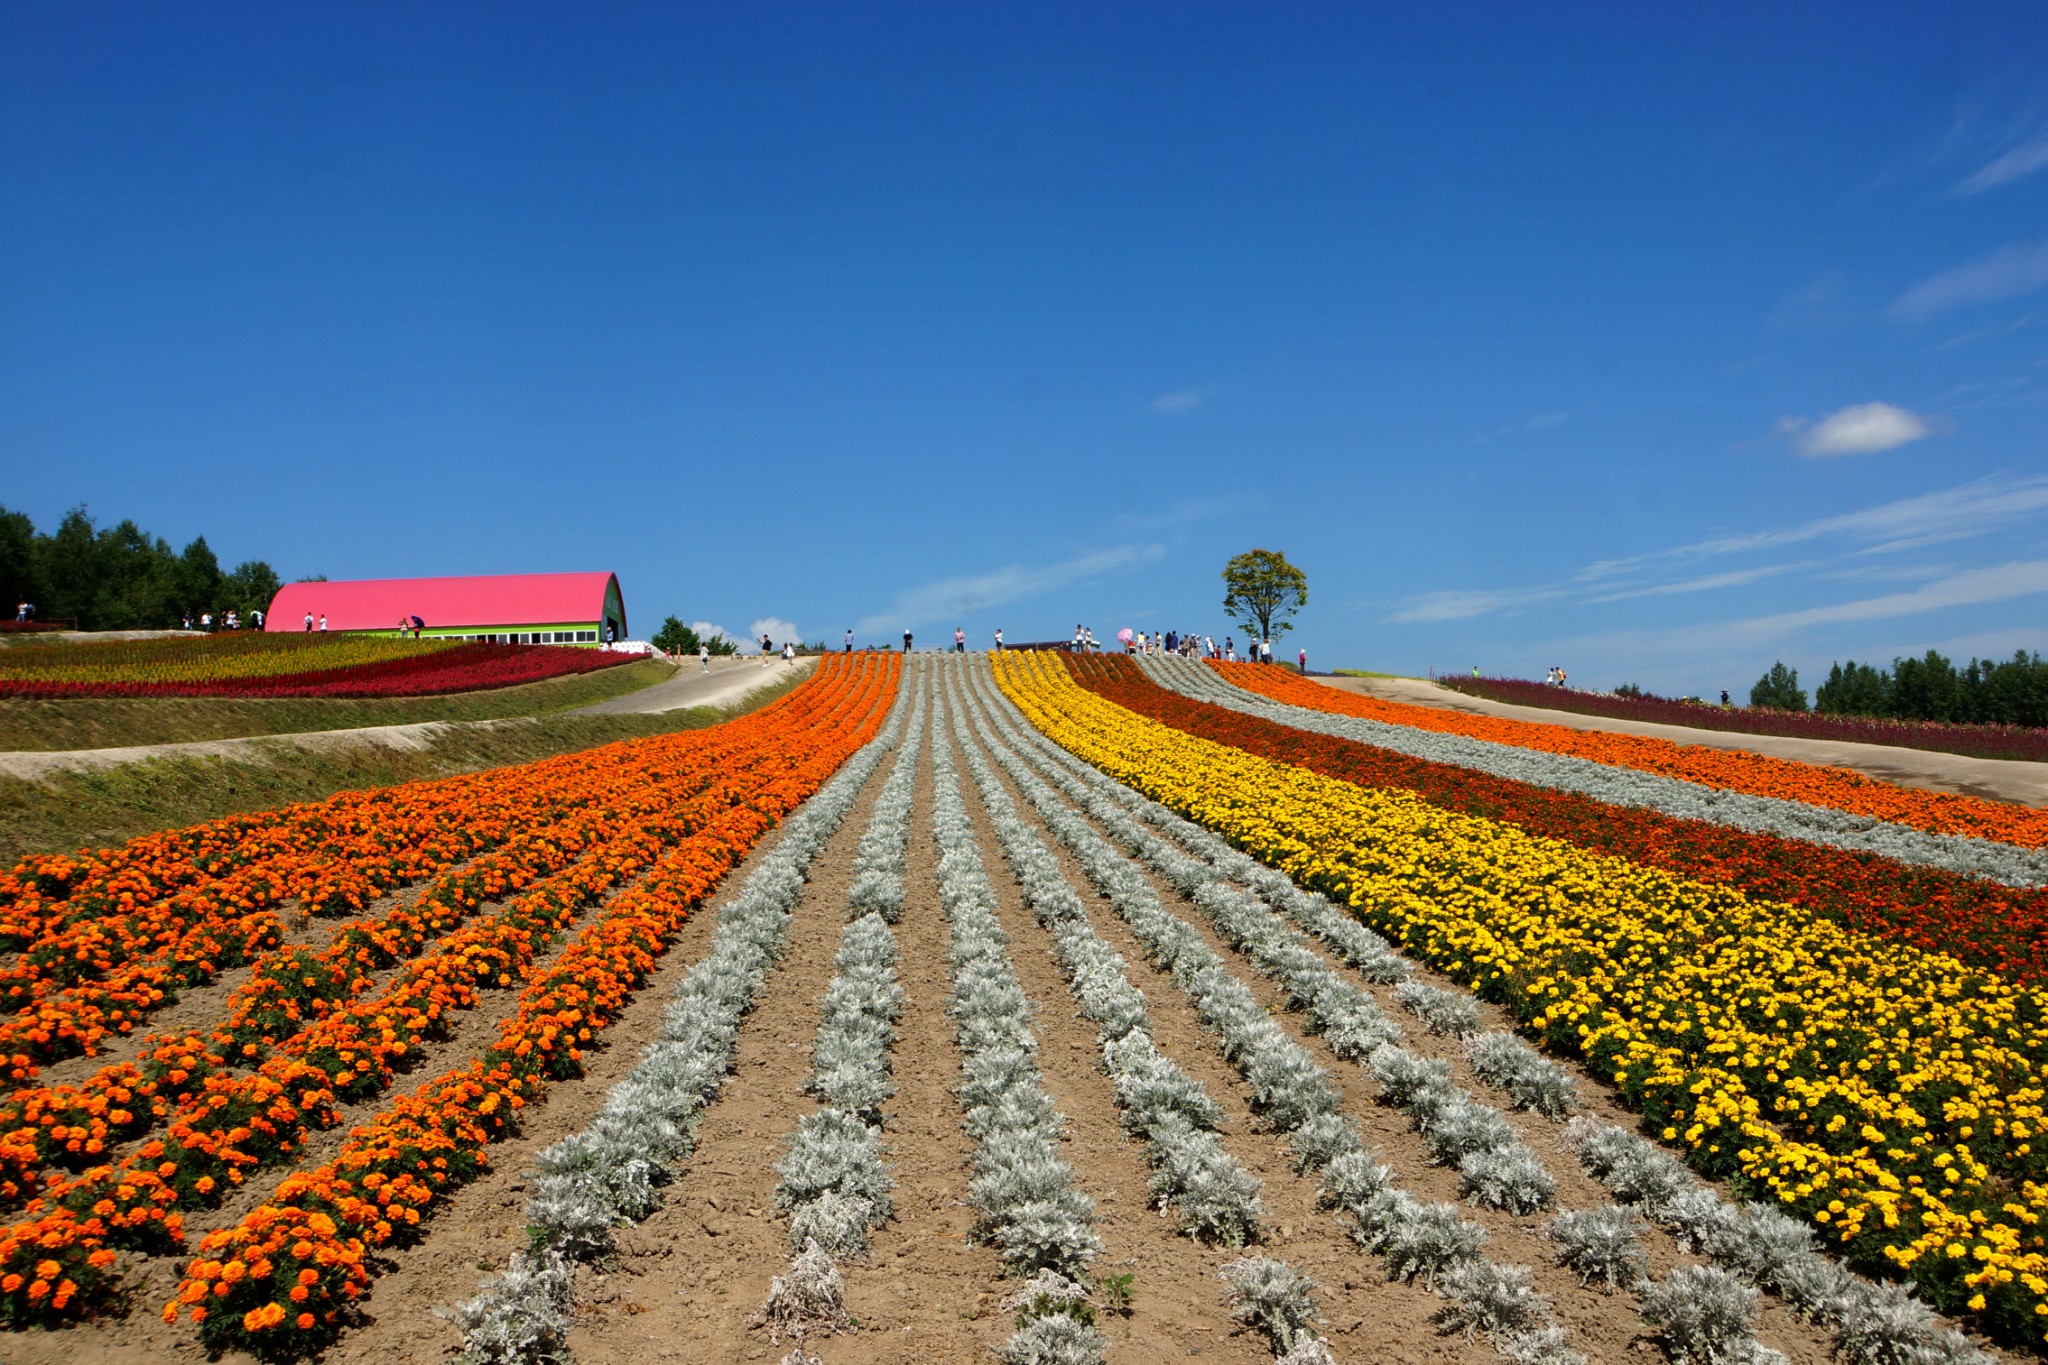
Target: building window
565,637
586,636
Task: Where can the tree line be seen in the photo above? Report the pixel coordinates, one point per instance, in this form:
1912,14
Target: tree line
121,577
1982,692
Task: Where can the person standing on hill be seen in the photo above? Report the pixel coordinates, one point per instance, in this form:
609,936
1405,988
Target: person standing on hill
1304,661
999,639
704,655
849,639
959,640
906,642
323,622
309,622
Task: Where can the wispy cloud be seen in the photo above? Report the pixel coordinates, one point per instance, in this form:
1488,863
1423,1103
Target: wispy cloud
1861,429
1180,402
2017,164
1734,578
1958,513
2022,578
1460,605
949,598
2006,273
1970,510
1985,333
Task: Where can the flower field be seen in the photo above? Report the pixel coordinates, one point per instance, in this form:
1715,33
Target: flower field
1735,771
2029,743
262,665
1982,922
1013,1008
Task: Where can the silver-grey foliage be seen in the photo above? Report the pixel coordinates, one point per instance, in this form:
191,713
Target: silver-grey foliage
1505,1062
1294,1094
1023,1191
1273,1298
1603,1246
1192,1173
518,1315
607,1174
1705,1316
1509,1178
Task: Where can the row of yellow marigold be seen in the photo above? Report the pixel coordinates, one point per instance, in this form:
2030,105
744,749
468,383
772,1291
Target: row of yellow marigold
1892,1095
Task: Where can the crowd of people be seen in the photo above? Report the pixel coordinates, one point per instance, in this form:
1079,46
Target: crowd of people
227,620
1191,646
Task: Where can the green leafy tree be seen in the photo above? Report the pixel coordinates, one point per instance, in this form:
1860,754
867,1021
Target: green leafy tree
1926,689
17,561
675,638
1854,689
251,587
1261,590
1779,689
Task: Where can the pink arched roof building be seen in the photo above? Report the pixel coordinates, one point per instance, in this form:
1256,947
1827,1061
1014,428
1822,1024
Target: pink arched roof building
521,608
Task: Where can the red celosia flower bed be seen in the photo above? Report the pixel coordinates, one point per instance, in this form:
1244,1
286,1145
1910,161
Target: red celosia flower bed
1981,922
459,668
1978,741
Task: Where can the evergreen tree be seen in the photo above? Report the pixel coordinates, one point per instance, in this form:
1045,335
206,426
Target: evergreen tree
1779,689
675,638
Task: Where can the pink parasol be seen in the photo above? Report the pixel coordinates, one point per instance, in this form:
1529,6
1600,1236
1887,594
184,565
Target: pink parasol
1124,635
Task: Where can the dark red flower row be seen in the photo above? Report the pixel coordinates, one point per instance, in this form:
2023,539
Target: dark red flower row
1979,741
1981,922
464,668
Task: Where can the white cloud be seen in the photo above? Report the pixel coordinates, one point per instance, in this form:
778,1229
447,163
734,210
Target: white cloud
1460,604
1707,583
776,629
707,629
1179,402
948,599
2017,269
1961,513
2023,578
2016,164
1862,429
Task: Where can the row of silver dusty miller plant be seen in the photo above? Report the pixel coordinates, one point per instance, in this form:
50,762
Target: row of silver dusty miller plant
1434,1243
833,1181
1707,1316
1029,1205
609,1174
1629,786
1192,1172
1873,1323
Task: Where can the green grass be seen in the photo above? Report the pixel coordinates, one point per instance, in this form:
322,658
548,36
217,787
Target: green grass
117,722
72,810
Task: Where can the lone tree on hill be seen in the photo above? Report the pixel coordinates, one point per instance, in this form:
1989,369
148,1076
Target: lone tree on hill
1779,689
1261,590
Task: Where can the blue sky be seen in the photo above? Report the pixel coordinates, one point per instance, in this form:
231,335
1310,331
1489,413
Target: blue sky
1654,344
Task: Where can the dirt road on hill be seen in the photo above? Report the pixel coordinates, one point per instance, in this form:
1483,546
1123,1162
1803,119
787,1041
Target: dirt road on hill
1994,779
729,680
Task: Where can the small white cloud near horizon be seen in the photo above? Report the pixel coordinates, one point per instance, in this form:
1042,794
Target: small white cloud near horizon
2017,164
1180,402
776,629
1860,429
2019,268
707,629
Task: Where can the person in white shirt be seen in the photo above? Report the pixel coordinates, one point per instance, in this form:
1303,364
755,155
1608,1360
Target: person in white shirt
704,655
323,620
999,639
849,639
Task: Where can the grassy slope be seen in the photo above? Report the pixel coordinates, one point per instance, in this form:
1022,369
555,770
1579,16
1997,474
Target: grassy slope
68,811
115,722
